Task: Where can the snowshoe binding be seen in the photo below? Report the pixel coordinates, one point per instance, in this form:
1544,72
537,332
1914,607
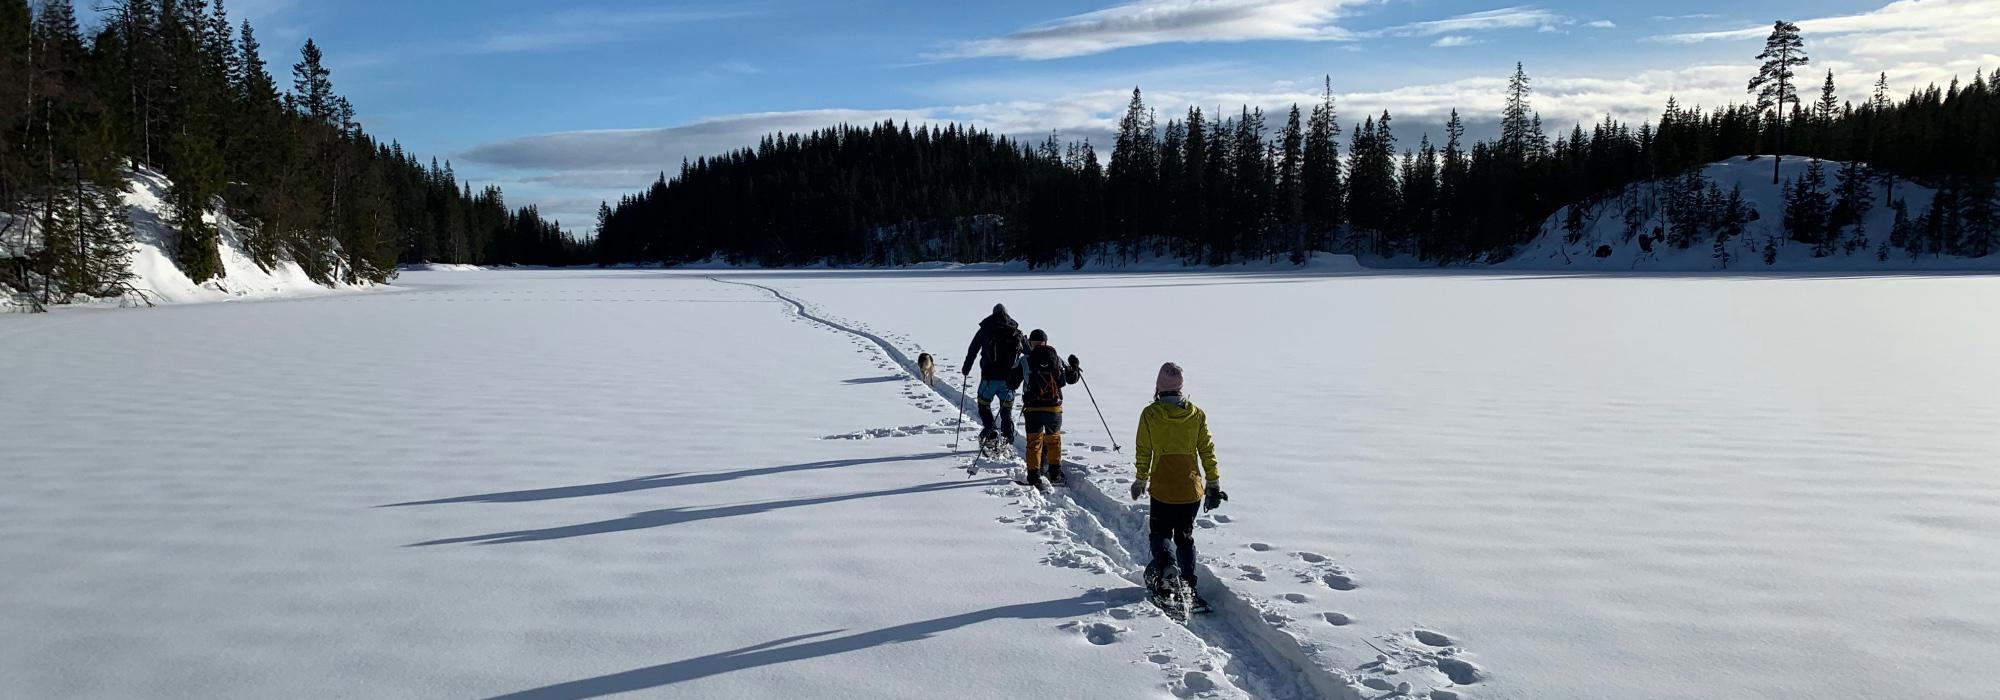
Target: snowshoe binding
1170,593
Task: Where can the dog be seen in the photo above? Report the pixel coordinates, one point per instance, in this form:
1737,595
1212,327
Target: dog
927,367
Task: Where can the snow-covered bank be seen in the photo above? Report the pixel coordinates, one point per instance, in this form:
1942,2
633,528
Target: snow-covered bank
160,281
1609,241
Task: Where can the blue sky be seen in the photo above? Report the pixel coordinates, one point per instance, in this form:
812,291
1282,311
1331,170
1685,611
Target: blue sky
565,104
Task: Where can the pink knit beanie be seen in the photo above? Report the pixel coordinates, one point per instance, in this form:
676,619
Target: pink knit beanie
1170,379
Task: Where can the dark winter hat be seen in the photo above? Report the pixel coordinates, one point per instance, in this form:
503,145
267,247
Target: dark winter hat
999,309
1170,379
1038,336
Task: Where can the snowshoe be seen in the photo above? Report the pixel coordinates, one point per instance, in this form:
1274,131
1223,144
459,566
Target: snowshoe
1170,593
1056,477
990,447
1196,604
1035,479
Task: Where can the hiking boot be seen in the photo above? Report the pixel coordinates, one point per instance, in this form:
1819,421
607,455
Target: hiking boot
1055,474
1035,478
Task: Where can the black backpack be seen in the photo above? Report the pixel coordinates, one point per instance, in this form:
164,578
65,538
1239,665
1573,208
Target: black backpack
1045,378
1003,347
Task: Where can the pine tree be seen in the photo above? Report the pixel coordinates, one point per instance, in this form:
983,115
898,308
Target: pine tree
1774,85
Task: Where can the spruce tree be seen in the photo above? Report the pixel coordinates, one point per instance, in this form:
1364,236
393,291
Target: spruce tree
1319,173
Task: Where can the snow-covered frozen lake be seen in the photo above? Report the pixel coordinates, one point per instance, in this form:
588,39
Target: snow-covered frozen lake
579,483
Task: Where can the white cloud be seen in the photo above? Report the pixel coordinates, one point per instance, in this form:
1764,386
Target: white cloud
1483,21
1453,40
1954,22
1602,24
1146,22
579,27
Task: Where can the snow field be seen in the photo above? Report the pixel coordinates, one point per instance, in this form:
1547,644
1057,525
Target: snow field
1584,486
539,484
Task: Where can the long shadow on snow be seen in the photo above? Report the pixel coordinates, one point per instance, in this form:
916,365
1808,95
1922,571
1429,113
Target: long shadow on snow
656,481
675,516
776,652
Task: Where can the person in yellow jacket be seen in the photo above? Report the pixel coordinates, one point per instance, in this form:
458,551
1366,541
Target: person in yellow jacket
1173,454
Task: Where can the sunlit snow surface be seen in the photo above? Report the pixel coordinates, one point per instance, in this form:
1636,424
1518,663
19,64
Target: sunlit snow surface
579,483
1599,486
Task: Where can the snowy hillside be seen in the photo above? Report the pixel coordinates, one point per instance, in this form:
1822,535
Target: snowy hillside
1609,240
162,281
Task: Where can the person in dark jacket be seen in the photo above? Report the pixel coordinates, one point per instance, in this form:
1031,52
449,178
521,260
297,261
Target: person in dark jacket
997,347
1041,406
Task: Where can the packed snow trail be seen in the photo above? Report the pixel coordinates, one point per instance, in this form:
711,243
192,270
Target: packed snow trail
551,484
1273,661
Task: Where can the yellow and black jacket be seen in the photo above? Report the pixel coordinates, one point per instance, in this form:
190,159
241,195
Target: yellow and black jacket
1174,450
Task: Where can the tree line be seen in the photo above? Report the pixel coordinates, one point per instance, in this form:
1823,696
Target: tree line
1212,188
173,87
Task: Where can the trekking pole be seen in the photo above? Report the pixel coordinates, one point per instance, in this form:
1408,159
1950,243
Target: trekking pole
1100,413
961,413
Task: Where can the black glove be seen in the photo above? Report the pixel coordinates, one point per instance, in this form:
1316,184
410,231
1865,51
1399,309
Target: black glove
965,370
1074,364
1215,496
1138,490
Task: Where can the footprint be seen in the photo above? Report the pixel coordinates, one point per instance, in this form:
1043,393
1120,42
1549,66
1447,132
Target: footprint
1442,694
1198,682
1251,572
1259,546
1223,518
1336,619
1339,582
1205,524
1312,557
1302,598
1121,613
1102,634
1432,638
1459,671
1161,659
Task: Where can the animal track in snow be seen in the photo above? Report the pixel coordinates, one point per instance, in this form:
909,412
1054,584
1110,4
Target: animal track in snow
1259,546
1312,557
1298,598
1339,582
1336,619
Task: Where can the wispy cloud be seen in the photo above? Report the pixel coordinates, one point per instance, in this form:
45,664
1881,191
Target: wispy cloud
1602,24
581,27
1454,40
1146,22
1523,17
1676,18
1968,20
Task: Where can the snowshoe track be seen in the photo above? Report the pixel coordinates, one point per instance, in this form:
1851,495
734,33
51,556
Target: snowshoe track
1275,664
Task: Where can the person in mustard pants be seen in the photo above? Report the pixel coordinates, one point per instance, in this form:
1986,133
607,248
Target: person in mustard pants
1173,454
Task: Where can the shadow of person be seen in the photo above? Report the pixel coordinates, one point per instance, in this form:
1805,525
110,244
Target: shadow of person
796,648
675,516
657,481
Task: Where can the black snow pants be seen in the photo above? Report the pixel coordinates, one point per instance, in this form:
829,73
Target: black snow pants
1172,521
